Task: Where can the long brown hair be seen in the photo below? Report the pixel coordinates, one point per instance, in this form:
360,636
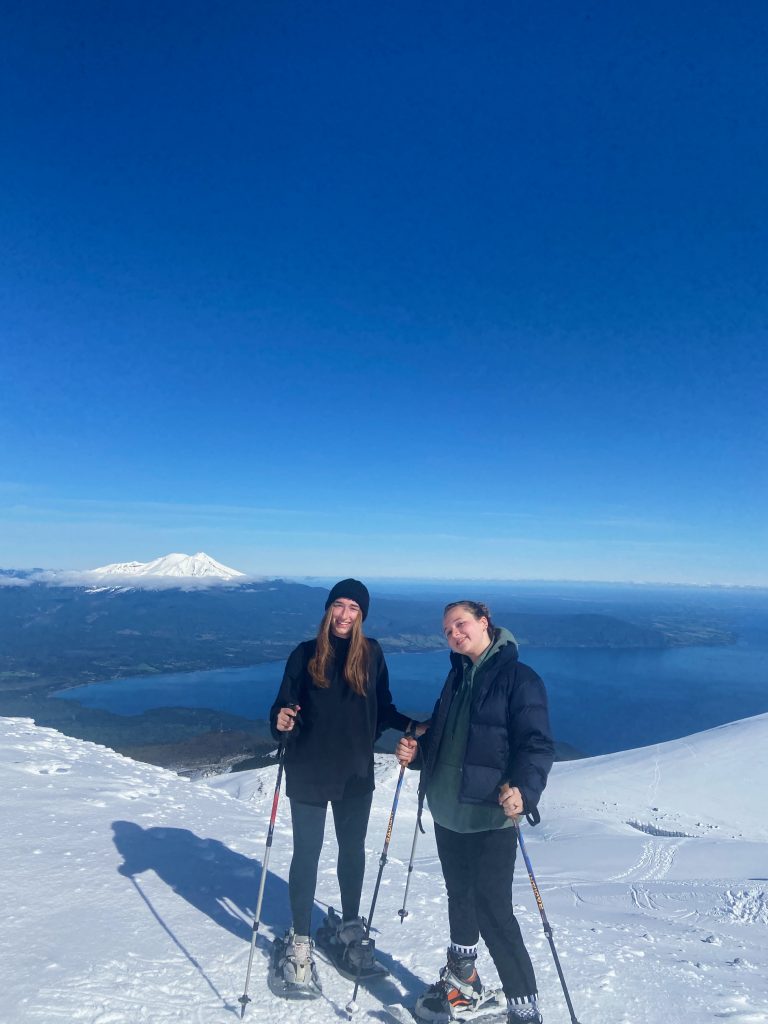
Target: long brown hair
356,667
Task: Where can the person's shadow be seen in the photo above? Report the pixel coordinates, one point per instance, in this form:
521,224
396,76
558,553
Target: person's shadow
218,882
224,886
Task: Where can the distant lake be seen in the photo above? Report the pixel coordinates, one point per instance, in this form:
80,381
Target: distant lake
600,700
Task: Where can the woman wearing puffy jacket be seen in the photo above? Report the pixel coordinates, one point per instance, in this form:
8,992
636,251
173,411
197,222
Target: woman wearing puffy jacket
484,761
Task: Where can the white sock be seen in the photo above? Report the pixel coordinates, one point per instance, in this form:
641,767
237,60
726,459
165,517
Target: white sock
463,950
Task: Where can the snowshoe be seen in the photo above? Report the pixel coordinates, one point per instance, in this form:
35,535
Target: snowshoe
345,947
492,1010
292,973
457,995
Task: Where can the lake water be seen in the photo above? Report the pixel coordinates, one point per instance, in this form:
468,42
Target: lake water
600,700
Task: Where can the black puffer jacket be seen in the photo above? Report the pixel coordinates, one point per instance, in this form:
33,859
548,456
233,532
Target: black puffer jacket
509,735
329,753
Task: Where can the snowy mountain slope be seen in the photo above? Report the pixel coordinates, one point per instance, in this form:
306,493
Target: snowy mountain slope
129,891
198,565
705,785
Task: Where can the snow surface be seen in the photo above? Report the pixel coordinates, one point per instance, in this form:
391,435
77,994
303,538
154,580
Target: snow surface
175,564
128,891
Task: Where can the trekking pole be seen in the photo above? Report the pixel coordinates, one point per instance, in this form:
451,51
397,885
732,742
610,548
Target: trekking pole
545,922
351,1006
403,913
245,998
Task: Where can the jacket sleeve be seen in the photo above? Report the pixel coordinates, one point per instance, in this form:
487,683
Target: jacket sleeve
425,742
387,715
532,749
290,690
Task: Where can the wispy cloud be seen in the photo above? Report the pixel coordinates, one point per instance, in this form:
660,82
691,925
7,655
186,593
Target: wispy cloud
109,509
631,523
14,581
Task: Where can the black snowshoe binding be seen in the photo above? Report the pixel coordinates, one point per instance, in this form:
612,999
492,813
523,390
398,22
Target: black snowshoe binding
459,994
345,946
292,972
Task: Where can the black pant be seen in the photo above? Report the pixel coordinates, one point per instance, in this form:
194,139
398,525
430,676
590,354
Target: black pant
350,818
478,868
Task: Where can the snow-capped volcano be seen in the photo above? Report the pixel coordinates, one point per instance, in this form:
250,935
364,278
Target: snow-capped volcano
176,564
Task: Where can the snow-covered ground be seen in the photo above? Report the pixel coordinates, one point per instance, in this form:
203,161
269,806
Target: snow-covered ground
128,892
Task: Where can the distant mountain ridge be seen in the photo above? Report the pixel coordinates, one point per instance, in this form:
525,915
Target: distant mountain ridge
175,564
57,635
53,636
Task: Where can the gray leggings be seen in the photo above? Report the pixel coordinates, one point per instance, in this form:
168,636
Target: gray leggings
350,818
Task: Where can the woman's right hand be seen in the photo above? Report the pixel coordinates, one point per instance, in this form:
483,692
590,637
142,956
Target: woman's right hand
406,749
286,719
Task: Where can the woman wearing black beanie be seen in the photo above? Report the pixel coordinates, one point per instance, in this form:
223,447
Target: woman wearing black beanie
334,703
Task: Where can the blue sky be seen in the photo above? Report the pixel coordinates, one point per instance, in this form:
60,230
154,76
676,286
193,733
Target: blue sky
437,289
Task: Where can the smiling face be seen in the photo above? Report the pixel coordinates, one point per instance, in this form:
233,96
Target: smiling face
343,614
466,634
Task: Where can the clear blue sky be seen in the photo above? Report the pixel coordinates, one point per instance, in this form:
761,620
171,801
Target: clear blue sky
440,289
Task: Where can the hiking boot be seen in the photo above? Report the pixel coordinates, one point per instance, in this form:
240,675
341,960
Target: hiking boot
457,994
358,950
523,1011
346,943
296,966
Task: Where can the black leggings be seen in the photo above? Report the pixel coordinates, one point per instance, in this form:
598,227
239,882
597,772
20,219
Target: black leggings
478,869
350,818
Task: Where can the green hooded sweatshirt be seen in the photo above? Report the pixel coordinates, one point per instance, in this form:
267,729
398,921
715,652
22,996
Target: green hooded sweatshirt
445,780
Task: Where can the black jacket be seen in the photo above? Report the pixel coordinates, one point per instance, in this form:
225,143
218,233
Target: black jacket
329,753
509,735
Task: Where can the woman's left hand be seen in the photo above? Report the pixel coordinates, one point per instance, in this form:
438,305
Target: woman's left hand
511,800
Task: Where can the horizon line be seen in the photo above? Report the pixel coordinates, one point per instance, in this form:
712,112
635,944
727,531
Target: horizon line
307,578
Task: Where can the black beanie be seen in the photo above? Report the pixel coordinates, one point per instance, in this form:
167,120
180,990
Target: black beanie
354,590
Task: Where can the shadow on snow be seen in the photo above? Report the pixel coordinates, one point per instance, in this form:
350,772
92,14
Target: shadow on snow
224,885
